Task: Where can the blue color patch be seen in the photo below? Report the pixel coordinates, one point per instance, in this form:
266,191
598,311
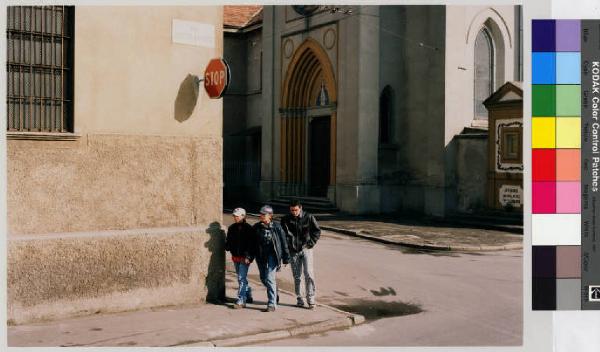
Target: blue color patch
543,35
543,66
568,68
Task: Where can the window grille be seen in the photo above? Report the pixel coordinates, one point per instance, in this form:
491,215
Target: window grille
40,68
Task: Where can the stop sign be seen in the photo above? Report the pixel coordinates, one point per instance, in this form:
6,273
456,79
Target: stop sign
216,78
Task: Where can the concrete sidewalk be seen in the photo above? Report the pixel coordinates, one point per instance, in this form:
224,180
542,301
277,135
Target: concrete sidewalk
415,233
426,236
205,325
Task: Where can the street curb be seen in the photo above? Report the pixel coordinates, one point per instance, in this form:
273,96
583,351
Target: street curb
340,323
326,325
247,339
509,246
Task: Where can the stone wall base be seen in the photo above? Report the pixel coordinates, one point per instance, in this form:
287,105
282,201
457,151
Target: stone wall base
54,276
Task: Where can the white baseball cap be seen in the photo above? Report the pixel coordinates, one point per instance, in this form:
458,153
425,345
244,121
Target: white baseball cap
239,212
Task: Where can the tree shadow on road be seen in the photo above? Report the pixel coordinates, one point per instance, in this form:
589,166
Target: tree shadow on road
375,309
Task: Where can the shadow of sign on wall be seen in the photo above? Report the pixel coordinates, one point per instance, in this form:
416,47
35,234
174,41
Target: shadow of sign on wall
187,97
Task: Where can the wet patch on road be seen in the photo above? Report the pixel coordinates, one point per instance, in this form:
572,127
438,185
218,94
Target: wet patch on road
341,293
384,292
96,329
374,310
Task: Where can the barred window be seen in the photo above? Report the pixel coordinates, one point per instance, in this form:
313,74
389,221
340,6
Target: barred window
40,68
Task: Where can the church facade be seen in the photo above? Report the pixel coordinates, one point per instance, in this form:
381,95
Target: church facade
375,108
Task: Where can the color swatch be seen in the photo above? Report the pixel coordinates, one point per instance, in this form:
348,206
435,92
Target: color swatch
556,143
565,182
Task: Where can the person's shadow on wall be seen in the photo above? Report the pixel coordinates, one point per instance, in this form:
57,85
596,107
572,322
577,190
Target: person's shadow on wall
187,97
215,278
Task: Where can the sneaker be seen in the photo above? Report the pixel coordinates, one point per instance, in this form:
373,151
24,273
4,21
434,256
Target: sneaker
270,309
312,306
300,302
239,305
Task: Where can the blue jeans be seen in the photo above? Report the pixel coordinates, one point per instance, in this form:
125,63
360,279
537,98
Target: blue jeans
244,290
268,270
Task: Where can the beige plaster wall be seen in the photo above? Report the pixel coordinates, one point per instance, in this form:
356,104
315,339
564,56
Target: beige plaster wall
129,75
112,271
104,182
150,152
463,23
149,156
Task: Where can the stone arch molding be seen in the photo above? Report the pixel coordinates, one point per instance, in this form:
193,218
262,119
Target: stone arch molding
309,62
502,38
493,19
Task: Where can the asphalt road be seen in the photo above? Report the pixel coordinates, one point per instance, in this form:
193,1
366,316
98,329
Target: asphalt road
413,298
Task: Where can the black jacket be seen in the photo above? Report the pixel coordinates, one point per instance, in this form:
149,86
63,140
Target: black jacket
240,240
302,231
279,243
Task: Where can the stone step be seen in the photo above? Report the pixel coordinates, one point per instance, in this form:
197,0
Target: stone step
307,200
315,205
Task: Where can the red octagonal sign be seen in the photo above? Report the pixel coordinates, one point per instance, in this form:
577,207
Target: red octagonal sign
216,78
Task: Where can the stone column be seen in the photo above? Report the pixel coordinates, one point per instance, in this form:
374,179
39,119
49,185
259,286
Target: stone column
358,112
270,136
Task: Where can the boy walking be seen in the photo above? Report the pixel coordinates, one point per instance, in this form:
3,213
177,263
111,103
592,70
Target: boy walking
302,232
239,242
271,251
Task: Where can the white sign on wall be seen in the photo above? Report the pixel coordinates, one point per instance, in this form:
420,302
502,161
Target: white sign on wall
193,33
510,194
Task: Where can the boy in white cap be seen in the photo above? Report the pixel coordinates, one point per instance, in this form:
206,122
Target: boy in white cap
240,242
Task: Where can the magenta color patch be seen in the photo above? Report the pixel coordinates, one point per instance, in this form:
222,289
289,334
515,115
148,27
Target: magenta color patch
568,197
544,197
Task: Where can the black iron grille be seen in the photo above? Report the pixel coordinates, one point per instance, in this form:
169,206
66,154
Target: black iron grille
40,68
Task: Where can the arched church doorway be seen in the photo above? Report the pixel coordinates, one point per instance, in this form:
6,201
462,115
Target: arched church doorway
308,122
319,156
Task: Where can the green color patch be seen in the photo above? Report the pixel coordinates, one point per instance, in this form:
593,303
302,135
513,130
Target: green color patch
544,100
568,100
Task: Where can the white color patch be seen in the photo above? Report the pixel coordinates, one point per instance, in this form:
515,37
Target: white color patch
556,229
193,33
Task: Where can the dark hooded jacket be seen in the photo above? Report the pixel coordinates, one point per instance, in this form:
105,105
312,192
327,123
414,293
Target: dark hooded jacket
277,244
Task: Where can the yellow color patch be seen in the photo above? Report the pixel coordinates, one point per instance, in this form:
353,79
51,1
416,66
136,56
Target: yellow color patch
568,132
543,132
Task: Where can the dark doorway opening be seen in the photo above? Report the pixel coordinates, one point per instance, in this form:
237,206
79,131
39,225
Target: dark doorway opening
320,132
